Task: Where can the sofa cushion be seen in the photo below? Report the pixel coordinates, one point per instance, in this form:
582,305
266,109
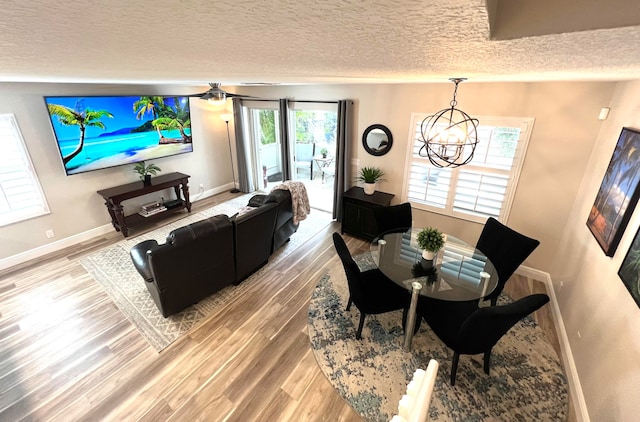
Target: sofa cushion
257,200
253,234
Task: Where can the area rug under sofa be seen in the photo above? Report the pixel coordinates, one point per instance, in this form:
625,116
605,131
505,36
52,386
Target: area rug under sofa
113,269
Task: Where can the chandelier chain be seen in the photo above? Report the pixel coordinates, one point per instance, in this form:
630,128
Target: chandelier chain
454,102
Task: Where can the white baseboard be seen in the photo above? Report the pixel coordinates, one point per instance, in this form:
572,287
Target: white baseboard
54,246
43,250
575,388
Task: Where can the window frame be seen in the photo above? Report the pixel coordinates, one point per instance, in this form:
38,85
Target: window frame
513,174
10,216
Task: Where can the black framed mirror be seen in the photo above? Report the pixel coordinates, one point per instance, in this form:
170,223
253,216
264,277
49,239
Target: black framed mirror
377,139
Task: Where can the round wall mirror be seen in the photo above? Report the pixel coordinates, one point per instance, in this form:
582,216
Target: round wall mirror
377,139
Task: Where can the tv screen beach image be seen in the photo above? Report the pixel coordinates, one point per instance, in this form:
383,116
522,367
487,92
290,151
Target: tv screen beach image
99,132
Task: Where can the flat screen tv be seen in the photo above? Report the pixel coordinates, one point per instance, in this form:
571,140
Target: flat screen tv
94,132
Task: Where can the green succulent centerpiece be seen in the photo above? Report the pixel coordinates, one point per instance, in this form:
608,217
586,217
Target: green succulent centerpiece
370,176
145,171
324,152
430,240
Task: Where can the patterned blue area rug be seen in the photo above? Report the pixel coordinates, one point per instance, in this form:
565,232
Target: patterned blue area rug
526,383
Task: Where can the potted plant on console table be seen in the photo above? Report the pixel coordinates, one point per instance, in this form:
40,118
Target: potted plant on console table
145,172
370,176
430,240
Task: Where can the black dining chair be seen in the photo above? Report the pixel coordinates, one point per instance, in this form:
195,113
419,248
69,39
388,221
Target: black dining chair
469,330
507,249
371,291
393,218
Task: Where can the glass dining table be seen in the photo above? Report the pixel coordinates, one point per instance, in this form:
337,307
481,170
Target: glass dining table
458,272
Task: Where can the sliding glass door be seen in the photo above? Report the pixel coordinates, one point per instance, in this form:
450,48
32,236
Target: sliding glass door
312,147
265,144
313,150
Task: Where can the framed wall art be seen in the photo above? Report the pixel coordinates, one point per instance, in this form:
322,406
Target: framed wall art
629,271
618,193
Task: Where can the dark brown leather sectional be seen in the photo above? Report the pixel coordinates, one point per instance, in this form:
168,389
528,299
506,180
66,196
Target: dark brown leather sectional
201,258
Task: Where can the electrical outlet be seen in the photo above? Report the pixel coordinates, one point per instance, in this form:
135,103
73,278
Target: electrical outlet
50,234
579,335
202,186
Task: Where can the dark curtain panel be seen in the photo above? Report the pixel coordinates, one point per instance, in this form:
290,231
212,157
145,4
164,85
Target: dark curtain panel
342,180
284,138
245,181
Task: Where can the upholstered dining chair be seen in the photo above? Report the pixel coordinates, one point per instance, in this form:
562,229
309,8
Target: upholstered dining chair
371,291
507,249
469,330
393,218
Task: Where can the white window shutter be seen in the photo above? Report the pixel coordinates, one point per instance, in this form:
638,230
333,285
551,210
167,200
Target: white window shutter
21,196
478,190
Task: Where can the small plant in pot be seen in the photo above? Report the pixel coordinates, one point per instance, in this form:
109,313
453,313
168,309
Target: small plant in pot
370,176
145,171
324,152
430,240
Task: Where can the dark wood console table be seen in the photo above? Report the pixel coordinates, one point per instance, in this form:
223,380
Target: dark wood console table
357,214
115,195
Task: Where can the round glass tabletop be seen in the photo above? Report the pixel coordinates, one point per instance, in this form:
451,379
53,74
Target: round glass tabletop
458,272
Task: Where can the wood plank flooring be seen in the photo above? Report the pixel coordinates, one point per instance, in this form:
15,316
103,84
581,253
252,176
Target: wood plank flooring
67,353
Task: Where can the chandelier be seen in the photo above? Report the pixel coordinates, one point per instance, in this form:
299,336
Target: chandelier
450,136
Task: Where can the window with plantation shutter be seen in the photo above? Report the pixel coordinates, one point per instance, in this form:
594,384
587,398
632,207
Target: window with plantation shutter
478,190
21,196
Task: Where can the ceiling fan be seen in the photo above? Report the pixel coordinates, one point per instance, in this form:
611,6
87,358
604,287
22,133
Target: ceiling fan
217,95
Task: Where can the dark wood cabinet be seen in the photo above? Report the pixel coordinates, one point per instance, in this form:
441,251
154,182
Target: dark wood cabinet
114,196
357,214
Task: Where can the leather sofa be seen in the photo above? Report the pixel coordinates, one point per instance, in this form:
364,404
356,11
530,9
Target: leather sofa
194,262
203,257
284,222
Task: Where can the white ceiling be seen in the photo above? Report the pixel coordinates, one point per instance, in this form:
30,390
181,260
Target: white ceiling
193,42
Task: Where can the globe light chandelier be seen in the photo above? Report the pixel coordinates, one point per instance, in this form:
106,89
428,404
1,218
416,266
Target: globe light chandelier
450,136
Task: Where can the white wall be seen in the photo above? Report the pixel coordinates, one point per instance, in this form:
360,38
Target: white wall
593,299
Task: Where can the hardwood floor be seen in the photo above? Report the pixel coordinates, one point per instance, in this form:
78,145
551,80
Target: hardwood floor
67,353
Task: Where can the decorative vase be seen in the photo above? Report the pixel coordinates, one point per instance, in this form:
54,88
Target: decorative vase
426,264
428,255
147,180
369,188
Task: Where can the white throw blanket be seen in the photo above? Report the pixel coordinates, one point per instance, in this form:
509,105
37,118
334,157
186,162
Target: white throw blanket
299,199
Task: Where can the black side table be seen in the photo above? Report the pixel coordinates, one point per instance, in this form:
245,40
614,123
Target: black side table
357,214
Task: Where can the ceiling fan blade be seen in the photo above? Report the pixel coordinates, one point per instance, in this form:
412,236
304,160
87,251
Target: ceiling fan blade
218,94
229,94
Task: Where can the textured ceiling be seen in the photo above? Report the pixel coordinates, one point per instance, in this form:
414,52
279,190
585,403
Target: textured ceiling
293,41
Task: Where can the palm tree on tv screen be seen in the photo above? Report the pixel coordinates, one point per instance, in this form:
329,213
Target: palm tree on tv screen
149,105
173,123
79,116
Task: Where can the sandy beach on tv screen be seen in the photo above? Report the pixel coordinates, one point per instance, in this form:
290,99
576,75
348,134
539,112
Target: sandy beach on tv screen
147,154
